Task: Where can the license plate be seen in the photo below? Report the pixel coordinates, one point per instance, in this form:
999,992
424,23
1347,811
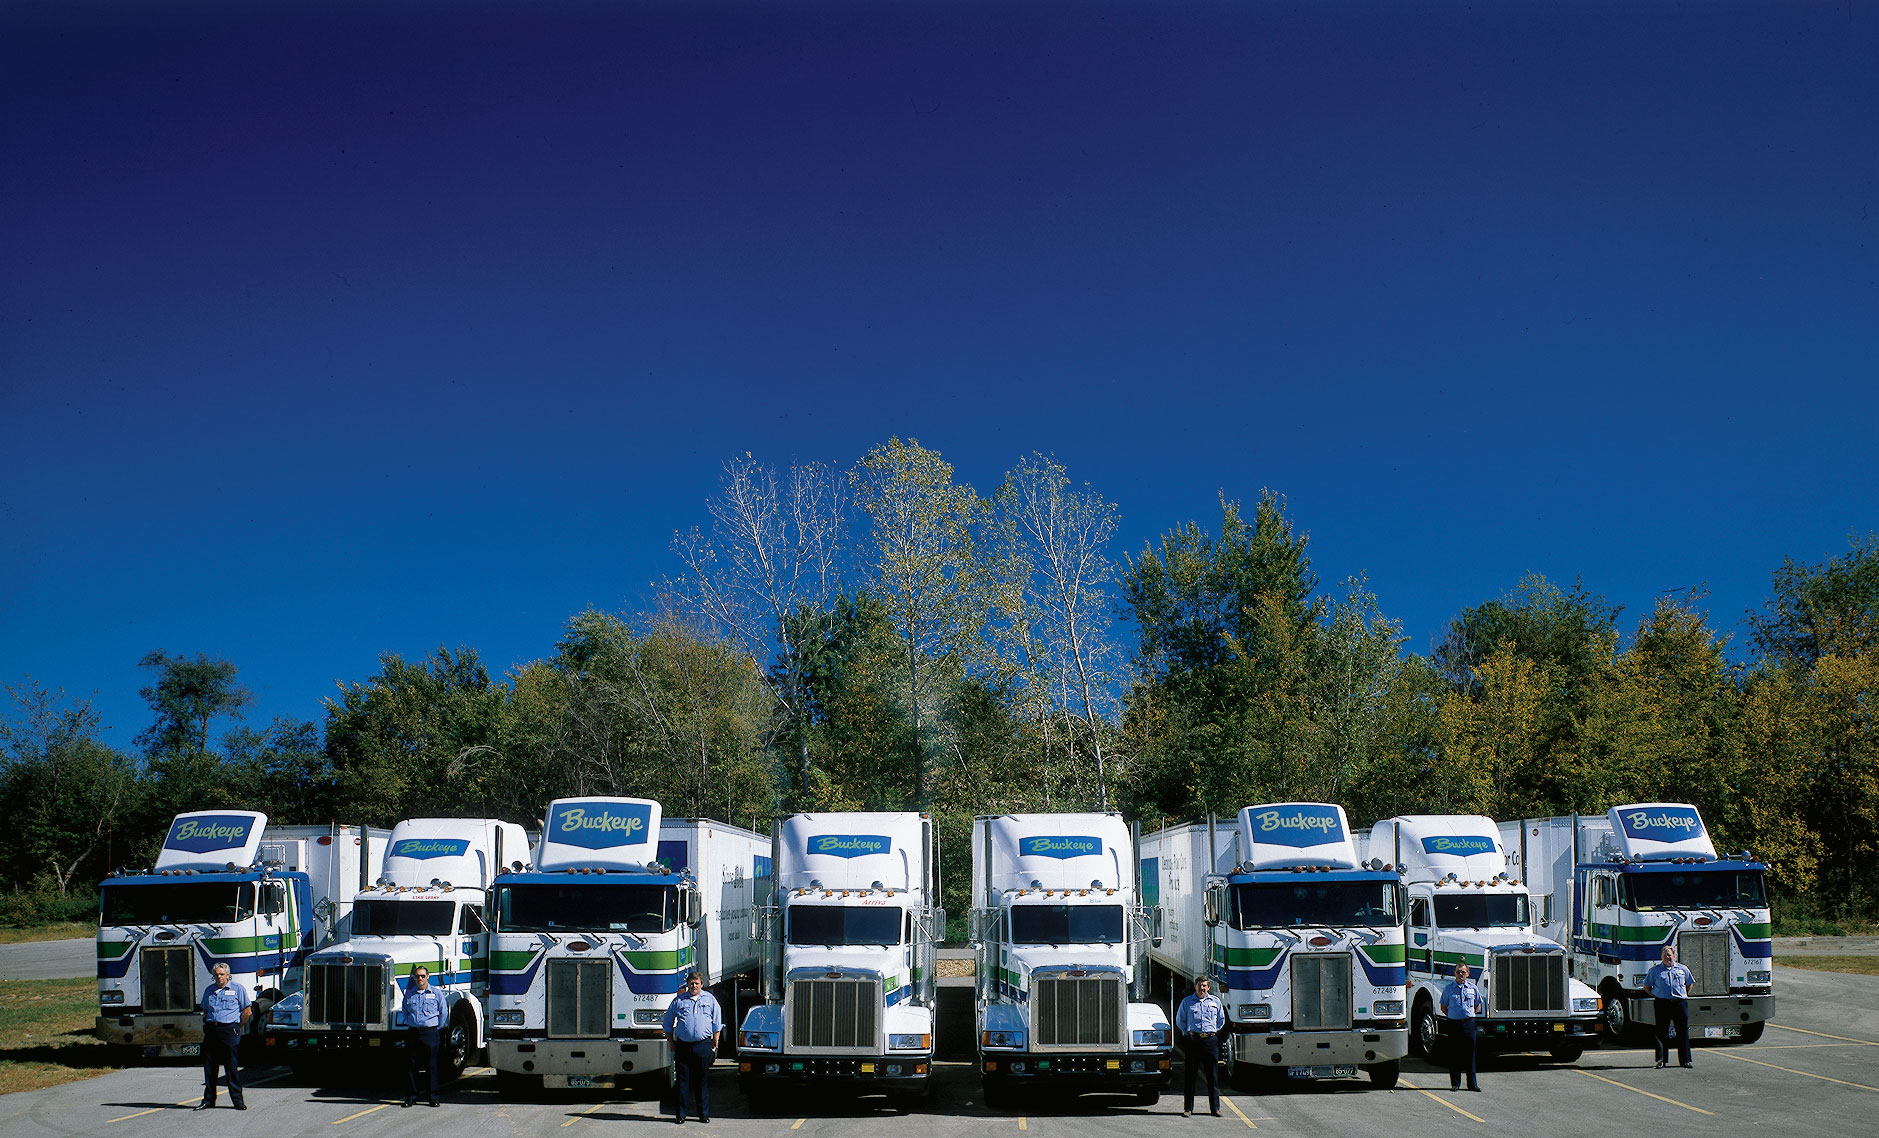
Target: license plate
1722,1032
192,1050
1339,1072
580,1082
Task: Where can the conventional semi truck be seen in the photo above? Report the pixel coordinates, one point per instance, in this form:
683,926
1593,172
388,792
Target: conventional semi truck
427,906
1303,942
227,888
1614,890
1464,907
850,951
1061,939
591,942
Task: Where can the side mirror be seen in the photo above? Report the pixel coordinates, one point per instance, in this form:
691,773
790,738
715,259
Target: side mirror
692,906
975,926
1154,926
1212,904
939,926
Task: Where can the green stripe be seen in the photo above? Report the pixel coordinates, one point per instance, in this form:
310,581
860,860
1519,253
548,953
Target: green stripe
1472,959
1383,953
112,949
509,961
658,959
1648,933
1755,932
230,946
1252,957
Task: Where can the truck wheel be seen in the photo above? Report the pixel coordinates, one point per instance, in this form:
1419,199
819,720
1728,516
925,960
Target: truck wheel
1565,1054
1618,1022
459,1045
1750,1032
1148,1097
1383,1075
1427,1036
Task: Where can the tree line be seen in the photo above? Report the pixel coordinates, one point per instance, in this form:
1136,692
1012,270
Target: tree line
885,637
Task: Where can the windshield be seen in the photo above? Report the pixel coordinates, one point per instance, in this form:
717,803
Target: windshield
403,918
1481,911
1066,924
838,924
547,907
178,903
1320,904
1695,889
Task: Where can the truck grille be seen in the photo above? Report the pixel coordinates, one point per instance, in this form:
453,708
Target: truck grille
351,994
1528,981
169,979
1077,1012
580,999
1706,955
1321,992
834,1013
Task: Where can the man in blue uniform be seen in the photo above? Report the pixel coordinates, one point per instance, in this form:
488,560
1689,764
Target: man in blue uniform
1461,1003
424,1031
1200,1019
1669,983
225,1009
693,1022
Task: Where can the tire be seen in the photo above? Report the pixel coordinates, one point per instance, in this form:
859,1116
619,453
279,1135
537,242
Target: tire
1425,1033
459,1046
1565,1054
1618,1022
1147,1098
1383,1075
1750,1032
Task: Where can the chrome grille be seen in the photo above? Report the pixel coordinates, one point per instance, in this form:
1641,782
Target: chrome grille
580,999
352,994
1077,1012
1706,955
1321,992
169,979
835,1013
1528,981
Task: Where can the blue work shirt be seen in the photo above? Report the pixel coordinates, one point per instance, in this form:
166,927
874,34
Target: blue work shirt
691,1018
223,1004
1461,1000
424,1007
1201,1015
1669,982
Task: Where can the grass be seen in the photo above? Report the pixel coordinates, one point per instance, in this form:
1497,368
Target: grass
61,930
1863,965
45,1034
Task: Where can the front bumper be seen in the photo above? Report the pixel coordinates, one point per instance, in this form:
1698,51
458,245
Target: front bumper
148,1029
1713,1011
1083,1074
297,1042
897,1073
1528,1034
615,1060
1288,1048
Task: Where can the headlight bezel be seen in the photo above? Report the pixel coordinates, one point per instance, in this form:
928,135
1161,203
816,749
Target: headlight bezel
110,996
508,1017
760,1040
1255,1011
648,1017
1002,1040
909,1041
1388,1009
1582,1005
1767,977
1149,1037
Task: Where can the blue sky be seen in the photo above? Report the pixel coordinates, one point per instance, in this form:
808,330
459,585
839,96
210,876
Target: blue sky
330,330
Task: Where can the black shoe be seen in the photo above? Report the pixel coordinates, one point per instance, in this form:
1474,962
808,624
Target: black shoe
241,1106
1686,1064
681,1120
434,1102
1453,1087
205,1105
1477,1090
705,1118
1215,1113
1660,1065
1186,1113
408,1102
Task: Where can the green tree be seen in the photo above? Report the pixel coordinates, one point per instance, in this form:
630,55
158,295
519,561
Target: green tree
185,698
62,789
1817,608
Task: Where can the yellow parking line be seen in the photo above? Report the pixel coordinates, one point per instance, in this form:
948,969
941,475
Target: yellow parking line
797,1125
578,1115
1792,1071
361,1114
1438,1098
1645,1093
152,1110
1824,1035
1238,1111
1022,1125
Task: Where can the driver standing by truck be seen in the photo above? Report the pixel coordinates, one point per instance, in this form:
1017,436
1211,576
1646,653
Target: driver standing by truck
225,1010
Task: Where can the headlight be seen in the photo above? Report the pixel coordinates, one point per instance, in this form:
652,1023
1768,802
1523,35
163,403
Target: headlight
508,1017
1255,1011
1587,1005
1003,1039
761,1040
284,1016
648,1016
908,1042
1761,977
1151,1037
113,997
1389,1007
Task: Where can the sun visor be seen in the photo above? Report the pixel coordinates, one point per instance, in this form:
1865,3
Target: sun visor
212,840
1658,831
603,833
1280,835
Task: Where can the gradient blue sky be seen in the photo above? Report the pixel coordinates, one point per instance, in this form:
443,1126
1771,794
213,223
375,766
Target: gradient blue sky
328,329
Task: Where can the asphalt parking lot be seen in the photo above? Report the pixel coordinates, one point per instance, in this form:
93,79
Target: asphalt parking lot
1815,1072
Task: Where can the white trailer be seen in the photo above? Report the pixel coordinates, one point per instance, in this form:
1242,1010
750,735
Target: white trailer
1615,889
1463,908
427,907
230,889
1061,941
1304,943
850,951
593,940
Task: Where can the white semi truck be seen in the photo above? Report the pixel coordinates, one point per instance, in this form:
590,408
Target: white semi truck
850,953
1061,939
592,941
1464,907
227,888
427,906
1614,890
1303,942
